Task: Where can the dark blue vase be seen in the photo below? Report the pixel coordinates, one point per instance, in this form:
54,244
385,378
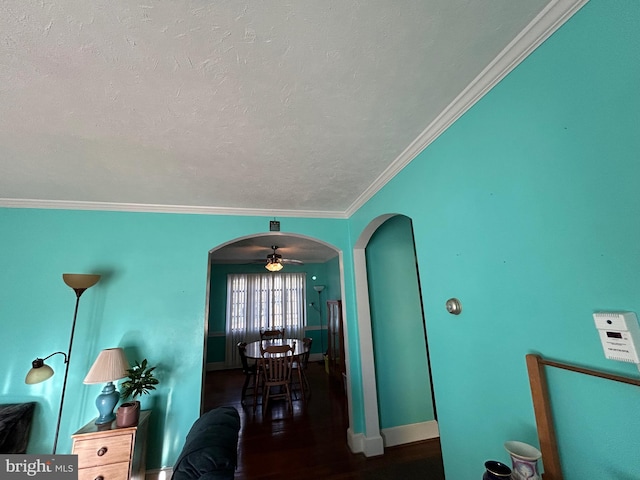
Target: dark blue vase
496,471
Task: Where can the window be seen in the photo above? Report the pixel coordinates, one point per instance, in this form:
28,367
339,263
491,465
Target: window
263,301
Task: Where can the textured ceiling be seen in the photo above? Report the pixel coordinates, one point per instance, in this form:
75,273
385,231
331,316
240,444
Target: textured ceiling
267,105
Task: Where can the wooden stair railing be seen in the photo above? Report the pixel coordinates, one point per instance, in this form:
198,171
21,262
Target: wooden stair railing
542,408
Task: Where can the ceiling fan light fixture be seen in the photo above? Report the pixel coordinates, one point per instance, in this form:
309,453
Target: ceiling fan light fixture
274,261
273,266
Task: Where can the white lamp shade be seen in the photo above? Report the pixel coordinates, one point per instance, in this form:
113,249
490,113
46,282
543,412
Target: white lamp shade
110,365
39,374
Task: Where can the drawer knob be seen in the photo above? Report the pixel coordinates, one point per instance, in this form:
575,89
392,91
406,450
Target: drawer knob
100,453
99,477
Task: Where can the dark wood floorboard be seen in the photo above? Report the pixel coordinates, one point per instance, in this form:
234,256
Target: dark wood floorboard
310,442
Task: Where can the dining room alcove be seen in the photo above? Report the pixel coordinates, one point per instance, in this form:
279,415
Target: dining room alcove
320,263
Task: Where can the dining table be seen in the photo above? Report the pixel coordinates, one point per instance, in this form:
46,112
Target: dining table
254,351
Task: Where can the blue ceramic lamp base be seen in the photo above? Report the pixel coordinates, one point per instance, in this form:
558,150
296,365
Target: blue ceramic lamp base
106,402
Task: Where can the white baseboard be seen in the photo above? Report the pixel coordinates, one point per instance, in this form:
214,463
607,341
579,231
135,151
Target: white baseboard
370,446
354,441
414,432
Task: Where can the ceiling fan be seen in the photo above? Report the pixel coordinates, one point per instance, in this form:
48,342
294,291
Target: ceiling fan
275,262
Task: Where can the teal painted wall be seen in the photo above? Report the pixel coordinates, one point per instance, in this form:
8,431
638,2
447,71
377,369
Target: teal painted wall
218,298
332,280
329,276
404,394
527,209
151,301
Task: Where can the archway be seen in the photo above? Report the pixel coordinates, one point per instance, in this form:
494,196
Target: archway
415,419
333,281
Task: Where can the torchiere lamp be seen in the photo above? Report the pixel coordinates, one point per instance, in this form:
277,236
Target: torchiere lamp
319,289
40,371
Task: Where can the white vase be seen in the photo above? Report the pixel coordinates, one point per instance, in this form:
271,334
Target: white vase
524,459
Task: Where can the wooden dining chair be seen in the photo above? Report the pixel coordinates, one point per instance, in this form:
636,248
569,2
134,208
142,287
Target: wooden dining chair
275,367
250,373
271,334
299,379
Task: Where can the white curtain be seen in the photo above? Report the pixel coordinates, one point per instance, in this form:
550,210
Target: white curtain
263,301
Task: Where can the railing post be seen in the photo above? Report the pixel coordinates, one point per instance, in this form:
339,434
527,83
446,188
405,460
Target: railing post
544,418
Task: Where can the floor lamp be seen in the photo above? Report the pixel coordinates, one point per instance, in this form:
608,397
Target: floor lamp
40,371
319,289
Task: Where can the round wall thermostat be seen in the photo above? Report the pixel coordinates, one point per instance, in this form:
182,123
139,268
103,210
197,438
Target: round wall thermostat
453,306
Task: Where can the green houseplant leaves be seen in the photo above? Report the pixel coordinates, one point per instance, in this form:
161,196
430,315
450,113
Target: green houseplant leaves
140,380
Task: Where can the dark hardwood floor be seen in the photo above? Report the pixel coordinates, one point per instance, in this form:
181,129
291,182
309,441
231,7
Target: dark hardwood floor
310,442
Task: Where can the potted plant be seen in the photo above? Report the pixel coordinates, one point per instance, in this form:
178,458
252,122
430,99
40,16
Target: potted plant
140,381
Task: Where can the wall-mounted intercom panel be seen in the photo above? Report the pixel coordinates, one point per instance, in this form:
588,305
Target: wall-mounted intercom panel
620,335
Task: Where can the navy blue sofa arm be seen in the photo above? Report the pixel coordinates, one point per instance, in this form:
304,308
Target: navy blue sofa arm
210,451
15,426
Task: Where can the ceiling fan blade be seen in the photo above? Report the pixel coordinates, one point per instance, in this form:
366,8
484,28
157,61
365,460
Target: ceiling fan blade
292,261
263,261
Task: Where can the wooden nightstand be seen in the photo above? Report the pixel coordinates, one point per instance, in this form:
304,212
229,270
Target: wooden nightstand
106,452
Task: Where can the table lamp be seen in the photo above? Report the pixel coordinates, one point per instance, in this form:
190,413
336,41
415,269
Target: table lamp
111,365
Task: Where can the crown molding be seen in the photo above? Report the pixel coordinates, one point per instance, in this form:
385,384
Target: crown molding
554,15
148,208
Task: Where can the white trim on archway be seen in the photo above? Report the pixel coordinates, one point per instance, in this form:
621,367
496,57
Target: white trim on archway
370,442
